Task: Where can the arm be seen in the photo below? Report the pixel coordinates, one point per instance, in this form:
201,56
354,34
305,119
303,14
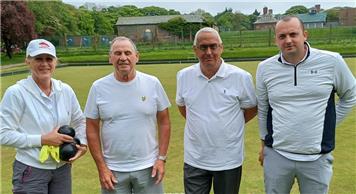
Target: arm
182,111
345,85
262,101
78,122
107,179
164,132
248,99
250,113
77,119
179,98
11,111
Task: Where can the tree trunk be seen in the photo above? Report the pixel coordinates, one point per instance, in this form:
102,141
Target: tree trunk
8,48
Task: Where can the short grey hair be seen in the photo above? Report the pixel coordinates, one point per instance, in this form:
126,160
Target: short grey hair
207,29
122,38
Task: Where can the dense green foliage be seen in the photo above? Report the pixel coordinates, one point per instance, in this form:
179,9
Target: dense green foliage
17,25
58,18
207,17
298,9
55,18
179,27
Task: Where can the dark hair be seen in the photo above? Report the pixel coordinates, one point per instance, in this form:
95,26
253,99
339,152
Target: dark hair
287,18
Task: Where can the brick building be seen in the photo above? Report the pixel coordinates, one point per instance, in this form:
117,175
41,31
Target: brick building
347,17
266,20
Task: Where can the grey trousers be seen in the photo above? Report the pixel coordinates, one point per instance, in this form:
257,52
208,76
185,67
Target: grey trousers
30,180
313,176
138,182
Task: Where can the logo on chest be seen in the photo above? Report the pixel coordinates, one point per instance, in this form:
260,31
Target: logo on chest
313,71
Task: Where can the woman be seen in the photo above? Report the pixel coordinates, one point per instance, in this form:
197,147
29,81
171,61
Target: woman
31,113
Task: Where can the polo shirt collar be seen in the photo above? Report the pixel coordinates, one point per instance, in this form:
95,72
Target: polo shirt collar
220,73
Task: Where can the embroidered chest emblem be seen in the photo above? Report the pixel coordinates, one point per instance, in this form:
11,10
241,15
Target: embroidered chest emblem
314,71
143,98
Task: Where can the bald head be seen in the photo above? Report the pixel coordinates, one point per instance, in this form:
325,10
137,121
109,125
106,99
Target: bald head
289,18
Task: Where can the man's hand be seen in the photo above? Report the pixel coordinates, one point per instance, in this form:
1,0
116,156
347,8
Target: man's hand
260,154
261,157
107,179
158,171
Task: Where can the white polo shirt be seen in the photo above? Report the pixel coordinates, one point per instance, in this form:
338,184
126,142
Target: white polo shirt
214,129
128,114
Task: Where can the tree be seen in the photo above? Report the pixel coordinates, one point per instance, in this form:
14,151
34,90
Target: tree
17,25
102,25
240,21
256,13
180,27
86,22
153,10
173,12
298,9
225,20
128,10
54,18
175,26
207,17
332,15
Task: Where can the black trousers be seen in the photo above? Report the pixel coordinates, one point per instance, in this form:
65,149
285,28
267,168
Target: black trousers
199,181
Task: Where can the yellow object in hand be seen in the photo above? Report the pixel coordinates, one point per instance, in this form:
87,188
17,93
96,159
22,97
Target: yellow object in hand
49,150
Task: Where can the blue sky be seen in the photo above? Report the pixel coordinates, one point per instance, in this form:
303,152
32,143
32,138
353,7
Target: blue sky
214,7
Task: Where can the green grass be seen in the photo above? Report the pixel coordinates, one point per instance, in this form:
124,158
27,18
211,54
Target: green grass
17,58
85,176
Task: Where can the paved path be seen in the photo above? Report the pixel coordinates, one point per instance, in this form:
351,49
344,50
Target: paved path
11,66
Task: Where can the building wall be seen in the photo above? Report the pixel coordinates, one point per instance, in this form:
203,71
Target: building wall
314,25
347,17
137,33
265,26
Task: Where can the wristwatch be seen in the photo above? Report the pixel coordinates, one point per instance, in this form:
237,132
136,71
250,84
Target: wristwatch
163,158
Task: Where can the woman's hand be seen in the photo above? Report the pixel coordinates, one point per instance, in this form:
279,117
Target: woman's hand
82,149
53,138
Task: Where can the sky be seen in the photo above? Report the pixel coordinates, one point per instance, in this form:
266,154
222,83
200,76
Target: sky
213,7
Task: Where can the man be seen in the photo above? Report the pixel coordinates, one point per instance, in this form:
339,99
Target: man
216,99
297,112
128,104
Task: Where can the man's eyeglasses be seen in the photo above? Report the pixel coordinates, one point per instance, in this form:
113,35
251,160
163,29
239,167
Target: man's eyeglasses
204,47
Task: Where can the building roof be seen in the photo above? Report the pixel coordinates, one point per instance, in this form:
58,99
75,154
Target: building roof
312,17
266,19
156,19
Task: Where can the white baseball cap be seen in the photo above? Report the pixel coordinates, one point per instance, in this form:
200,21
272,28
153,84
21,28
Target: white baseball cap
40,46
